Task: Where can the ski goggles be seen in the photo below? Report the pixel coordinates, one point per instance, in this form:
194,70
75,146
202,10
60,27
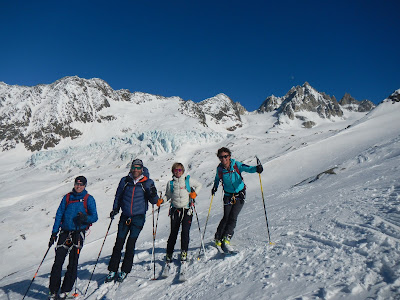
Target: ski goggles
136,168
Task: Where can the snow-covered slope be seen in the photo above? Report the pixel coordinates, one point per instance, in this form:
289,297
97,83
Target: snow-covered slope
331,192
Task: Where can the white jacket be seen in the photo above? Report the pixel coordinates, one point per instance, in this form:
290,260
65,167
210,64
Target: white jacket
180,196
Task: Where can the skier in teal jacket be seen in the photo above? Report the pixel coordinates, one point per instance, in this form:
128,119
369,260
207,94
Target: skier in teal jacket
229,173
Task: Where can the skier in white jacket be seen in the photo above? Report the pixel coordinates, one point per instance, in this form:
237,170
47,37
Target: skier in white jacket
182,190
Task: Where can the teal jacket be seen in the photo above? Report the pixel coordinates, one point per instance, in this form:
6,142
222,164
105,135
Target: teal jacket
231,180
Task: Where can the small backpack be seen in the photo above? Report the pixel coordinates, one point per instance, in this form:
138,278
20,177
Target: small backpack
84,200
171,184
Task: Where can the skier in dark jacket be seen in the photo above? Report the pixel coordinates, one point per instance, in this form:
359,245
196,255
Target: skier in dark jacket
76,211
229,173
133,194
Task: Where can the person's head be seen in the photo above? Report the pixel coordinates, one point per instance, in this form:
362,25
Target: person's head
177,169
224,155
136,168
80,183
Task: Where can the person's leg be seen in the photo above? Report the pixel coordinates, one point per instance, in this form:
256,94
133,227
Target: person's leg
135,228
185,237
123,229
61,253
232,219
222,224
176,216
72,269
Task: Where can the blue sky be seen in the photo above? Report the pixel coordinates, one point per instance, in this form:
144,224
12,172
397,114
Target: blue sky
248,50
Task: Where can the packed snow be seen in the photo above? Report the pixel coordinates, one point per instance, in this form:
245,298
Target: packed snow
331,194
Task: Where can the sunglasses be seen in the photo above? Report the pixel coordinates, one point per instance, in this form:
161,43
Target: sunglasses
136,168
178,170
79,184
223,156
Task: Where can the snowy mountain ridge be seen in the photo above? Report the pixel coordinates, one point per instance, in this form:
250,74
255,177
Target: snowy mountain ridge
40,117
300,101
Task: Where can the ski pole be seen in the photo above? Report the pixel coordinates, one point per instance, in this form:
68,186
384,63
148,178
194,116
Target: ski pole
153,251
108,229
36,273
201,238
205,226
265,210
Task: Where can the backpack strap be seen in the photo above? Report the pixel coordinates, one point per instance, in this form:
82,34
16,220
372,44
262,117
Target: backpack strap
187,183
235,167
85,198
188,188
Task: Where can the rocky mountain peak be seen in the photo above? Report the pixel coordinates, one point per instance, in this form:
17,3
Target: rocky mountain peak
349,103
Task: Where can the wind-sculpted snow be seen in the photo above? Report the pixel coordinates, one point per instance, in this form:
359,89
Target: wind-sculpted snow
126,148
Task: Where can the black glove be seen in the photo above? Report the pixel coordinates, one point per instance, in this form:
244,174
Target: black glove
260,169
113,213
81,218
53,239
214,190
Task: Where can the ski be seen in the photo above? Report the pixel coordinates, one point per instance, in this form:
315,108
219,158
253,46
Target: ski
166,271
182,271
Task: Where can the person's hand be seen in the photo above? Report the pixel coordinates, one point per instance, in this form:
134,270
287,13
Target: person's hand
53,239
259,169
113,213
214,190
159,202
81,217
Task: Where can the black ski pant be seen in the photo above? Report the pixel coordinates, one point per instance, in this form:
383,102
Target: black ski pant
72,242
232,208
133,226
179,216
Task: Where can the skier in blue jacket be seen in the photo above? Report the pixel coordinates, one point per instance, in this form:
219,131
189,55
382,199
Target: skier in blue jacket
133,194
76,212
229,173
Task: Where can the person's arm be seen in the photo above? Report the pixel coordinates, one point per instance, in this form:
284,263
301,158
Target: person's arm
246,168
152,192
196,185
59,215
92,211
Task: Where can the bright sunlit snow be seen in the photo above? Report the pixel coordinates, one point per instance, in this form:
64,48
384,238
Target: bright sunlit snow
331,193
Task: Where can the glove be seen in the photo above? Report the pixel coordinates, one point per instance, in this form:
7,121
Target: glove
113,213
260,169
53,239
159,202
192,195
214,190
81,217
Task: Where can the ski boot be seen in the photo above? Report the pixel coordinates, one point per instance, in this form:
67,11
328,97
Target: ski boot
110,277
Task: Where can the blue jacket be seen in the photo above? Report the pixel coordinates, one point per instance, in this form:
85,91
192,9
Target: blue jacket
231,180
66,215
132,198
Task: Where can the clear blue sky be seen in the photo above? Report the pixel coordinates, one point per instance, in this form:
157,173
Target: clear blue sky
248,50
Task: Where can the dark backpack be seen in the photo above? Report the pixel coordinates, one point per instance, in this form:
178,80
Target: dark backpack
84,200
